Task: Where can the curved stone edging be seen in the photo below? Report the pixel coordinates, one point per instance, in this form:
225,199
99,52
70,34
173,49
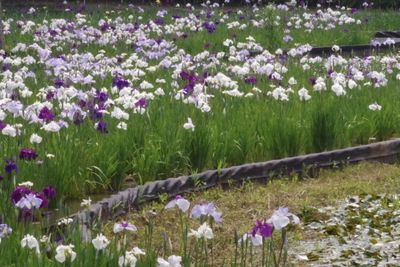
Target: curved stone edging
122,202
348,49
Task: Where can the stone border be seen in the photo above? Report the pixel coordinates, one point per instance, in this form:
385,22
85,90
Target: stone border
378,44
126,200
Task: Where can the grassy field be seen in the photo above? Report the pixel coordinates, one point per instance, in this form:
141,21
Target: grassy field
90,99
243,108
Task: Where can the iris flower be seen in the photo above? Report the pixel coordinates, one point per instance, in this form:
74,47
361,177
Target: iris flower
30,242
29,201
206,209
282,217
189,125
64,253
173,261
204,231
128,259
265,229
124,226
100,242
179,202
5,230
28,154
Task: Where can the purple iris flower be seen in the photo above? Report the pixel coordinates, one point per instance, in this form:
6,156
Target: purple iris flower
354,10
192,79
58,83
142,103
49,192
185,75
283,58
27,154
265,229
104,27
19,192
102,127
102,96
46,114
2,125
97,114
6,67
78,118
52,32
11,165
59,239
188,88
82,103
210,27
312,80
120,82
159,21
49,95
349,74
251,80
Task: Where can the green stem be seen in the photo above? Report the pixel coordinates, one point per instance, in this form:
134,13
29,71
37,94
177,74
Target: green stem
282,244
236,240
263,252
272,251
184,237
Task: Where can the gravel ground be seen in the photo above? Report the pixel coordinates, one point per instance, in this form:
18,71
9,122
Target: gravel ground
361,231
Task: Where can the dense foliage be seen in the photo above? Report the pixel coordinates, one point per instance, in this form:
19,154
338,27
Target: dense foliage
90,99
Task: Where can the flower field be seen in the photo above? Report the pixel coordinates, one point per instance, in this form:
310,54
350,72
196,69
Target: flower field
95,97
92,99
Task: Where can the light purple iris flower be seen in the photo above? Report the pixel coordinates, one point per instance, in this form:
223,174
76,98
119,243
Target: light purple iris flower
5,230
124,226
256,239
179,202
206,209
282,217
29,201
